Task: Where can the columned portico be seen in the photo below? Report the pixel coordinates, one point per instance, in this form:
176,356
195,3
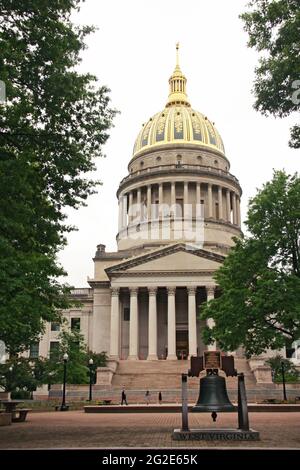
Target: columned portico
133,327
171,324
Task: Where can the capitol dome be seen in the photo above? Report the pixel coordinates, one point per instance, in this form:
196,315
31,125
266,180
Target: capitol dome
178,123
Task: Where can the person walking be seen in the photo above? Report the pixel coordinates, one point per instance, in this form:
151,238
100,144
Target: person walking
124,398
147,397
160,398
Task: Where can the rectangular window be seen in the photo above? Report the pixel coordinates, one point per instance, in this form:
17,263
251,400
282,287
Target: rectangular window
54,345
34,350
179,207
126,314
75,324
55,326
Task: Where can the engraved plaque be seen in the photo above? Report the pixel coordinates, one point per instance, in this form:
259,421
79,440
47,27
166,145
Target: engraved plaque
212,360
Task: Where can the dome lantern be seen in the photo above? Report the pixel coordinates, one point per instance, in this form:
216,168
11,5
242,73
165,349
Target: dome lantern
177,83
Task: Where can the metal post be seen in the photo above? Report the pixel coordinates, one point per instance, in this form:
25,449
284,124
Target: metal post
283,381
242,404
90,391
63,405
185,422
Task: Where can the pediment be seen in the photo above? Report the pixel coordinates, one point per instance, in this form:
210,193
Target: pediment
174,258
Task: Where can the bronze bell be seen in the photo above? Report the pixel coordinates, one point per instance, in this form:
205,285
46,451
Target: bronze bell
213,395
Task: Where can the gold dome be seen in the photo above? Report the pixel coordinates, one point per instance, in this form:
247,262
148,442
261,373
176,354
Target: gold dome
178,123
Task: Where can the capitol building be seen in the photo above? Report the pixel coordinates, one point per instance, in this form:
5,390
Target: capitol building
179,210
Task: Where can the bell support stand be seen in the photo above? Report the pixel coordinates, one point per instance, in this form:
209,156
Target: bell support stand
213,398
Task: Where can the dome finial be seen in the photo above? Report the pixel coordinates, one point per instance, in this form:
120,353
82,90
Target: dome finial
177,54
177,81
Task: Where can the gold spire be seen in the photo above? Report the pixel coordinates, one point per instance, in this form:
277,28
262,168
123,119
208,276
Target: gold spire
177,55
177,82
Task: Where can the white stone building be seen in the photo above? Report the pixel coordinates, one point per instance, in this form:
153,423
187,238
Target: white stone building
179,208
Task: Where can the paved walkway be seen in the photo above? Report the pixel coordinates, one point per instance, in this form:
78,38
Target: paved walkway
78,429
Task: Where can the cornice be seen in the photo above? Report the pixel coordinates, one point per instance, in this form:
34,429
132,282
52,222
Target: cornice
99,284
161,253
196,172
120,274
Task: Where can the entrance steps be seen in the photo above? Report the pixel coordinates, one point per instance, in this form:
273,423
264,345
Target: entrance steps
166,375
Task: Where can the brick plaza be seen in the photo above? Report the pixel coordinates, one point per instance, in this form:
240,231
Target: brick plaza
77,429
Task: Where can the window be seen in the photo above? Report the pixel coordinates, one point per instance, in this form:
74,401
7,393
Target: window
34,350
55,326
53,348
126,313
179,207
75,324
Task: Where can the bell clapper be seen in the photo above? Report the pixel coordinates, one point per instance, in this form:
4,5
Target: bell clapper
214,416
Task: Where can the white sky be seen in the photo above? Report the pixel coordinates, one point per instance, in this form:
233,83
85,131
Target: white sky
133,53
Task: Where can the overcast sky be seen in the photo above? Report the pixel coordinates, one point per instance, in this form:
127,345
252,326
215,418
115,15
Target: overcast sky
133,53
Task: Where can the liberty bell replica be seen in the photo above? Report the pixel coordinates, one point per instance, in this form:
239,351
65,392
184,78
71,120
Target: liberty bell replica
213,394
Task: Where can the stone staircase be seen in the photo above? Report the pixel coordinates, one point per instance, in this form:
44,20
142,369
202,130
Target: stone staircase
138,376
166,375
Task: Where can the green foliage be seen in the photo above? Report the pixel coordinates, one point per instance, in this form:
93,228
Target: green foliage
99,360
17,374
259,305
290,372
273,27
52,127
26,374
72,343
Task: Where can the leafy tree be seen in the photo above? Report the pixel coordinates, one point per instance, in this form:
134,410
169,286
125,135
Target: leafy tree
99,360
72,343
52,127
273,27
26,374
290,372
259,304
18,374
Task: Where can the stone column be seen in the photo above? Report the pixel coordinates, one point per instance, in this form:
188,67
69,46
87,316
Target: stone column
124,210
152,325
228,206
199,207
209,196
133,326
171,324
238,211
185,198
210,290
234,208
192,321
220,201
160,200
149,202
173,198
130,207
120,214
114,324
138,214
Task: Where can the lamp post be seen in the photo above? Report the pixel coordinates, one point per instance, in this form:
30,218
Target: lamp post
63,404
283,381
91,362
